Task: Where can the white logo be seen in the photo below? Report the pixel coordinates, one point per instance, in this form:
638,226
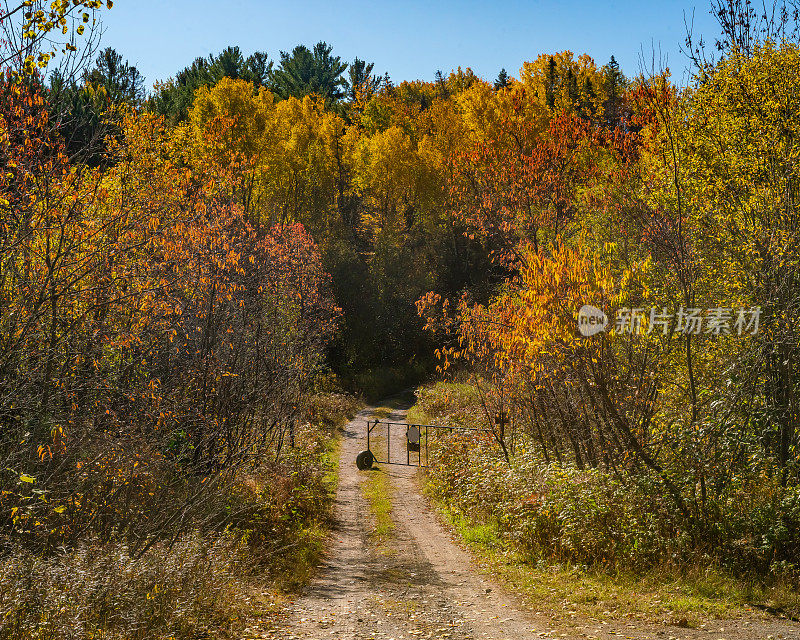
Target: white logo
591,320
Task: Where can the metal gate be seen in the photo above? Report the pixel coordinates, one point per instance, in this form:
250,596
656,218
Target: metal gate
410,442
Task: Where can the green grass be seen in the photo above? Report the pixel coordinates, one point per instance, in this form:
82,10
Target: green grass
416,415
330,460
377,490
687,598
483,536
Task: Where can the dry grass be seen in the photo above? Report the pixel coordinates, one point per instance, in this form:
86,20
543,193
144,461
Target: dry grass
211,584
97,590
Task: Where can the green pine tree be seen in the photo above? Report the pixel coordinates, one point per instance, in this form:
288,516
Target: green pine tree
304,72
501,82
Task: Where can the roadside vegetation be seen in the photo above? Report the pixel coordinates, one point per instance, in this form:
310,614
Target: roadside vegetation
583,542
260,537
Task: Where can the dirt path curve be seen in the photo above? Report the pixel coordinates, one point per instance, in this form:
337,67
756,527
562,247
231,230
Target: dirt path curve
423,585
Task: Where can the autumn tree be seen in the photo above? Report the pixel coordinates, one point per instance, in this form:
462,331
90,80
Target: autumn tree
173,98
744,214
565,84
152,338
36,32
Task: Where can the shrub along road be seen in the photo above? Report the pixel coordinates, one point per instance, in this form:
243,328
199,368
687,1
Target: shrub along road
416,582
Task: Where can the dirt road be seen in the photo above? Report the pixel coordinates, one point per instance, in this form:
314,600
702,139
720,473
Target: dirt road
423,585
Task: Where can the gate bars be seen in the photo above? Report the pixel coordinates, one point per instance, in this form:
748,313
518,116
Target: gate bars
421,440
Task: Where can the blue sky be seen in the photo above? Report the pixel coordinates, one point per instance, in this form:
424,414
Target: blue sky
409,39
